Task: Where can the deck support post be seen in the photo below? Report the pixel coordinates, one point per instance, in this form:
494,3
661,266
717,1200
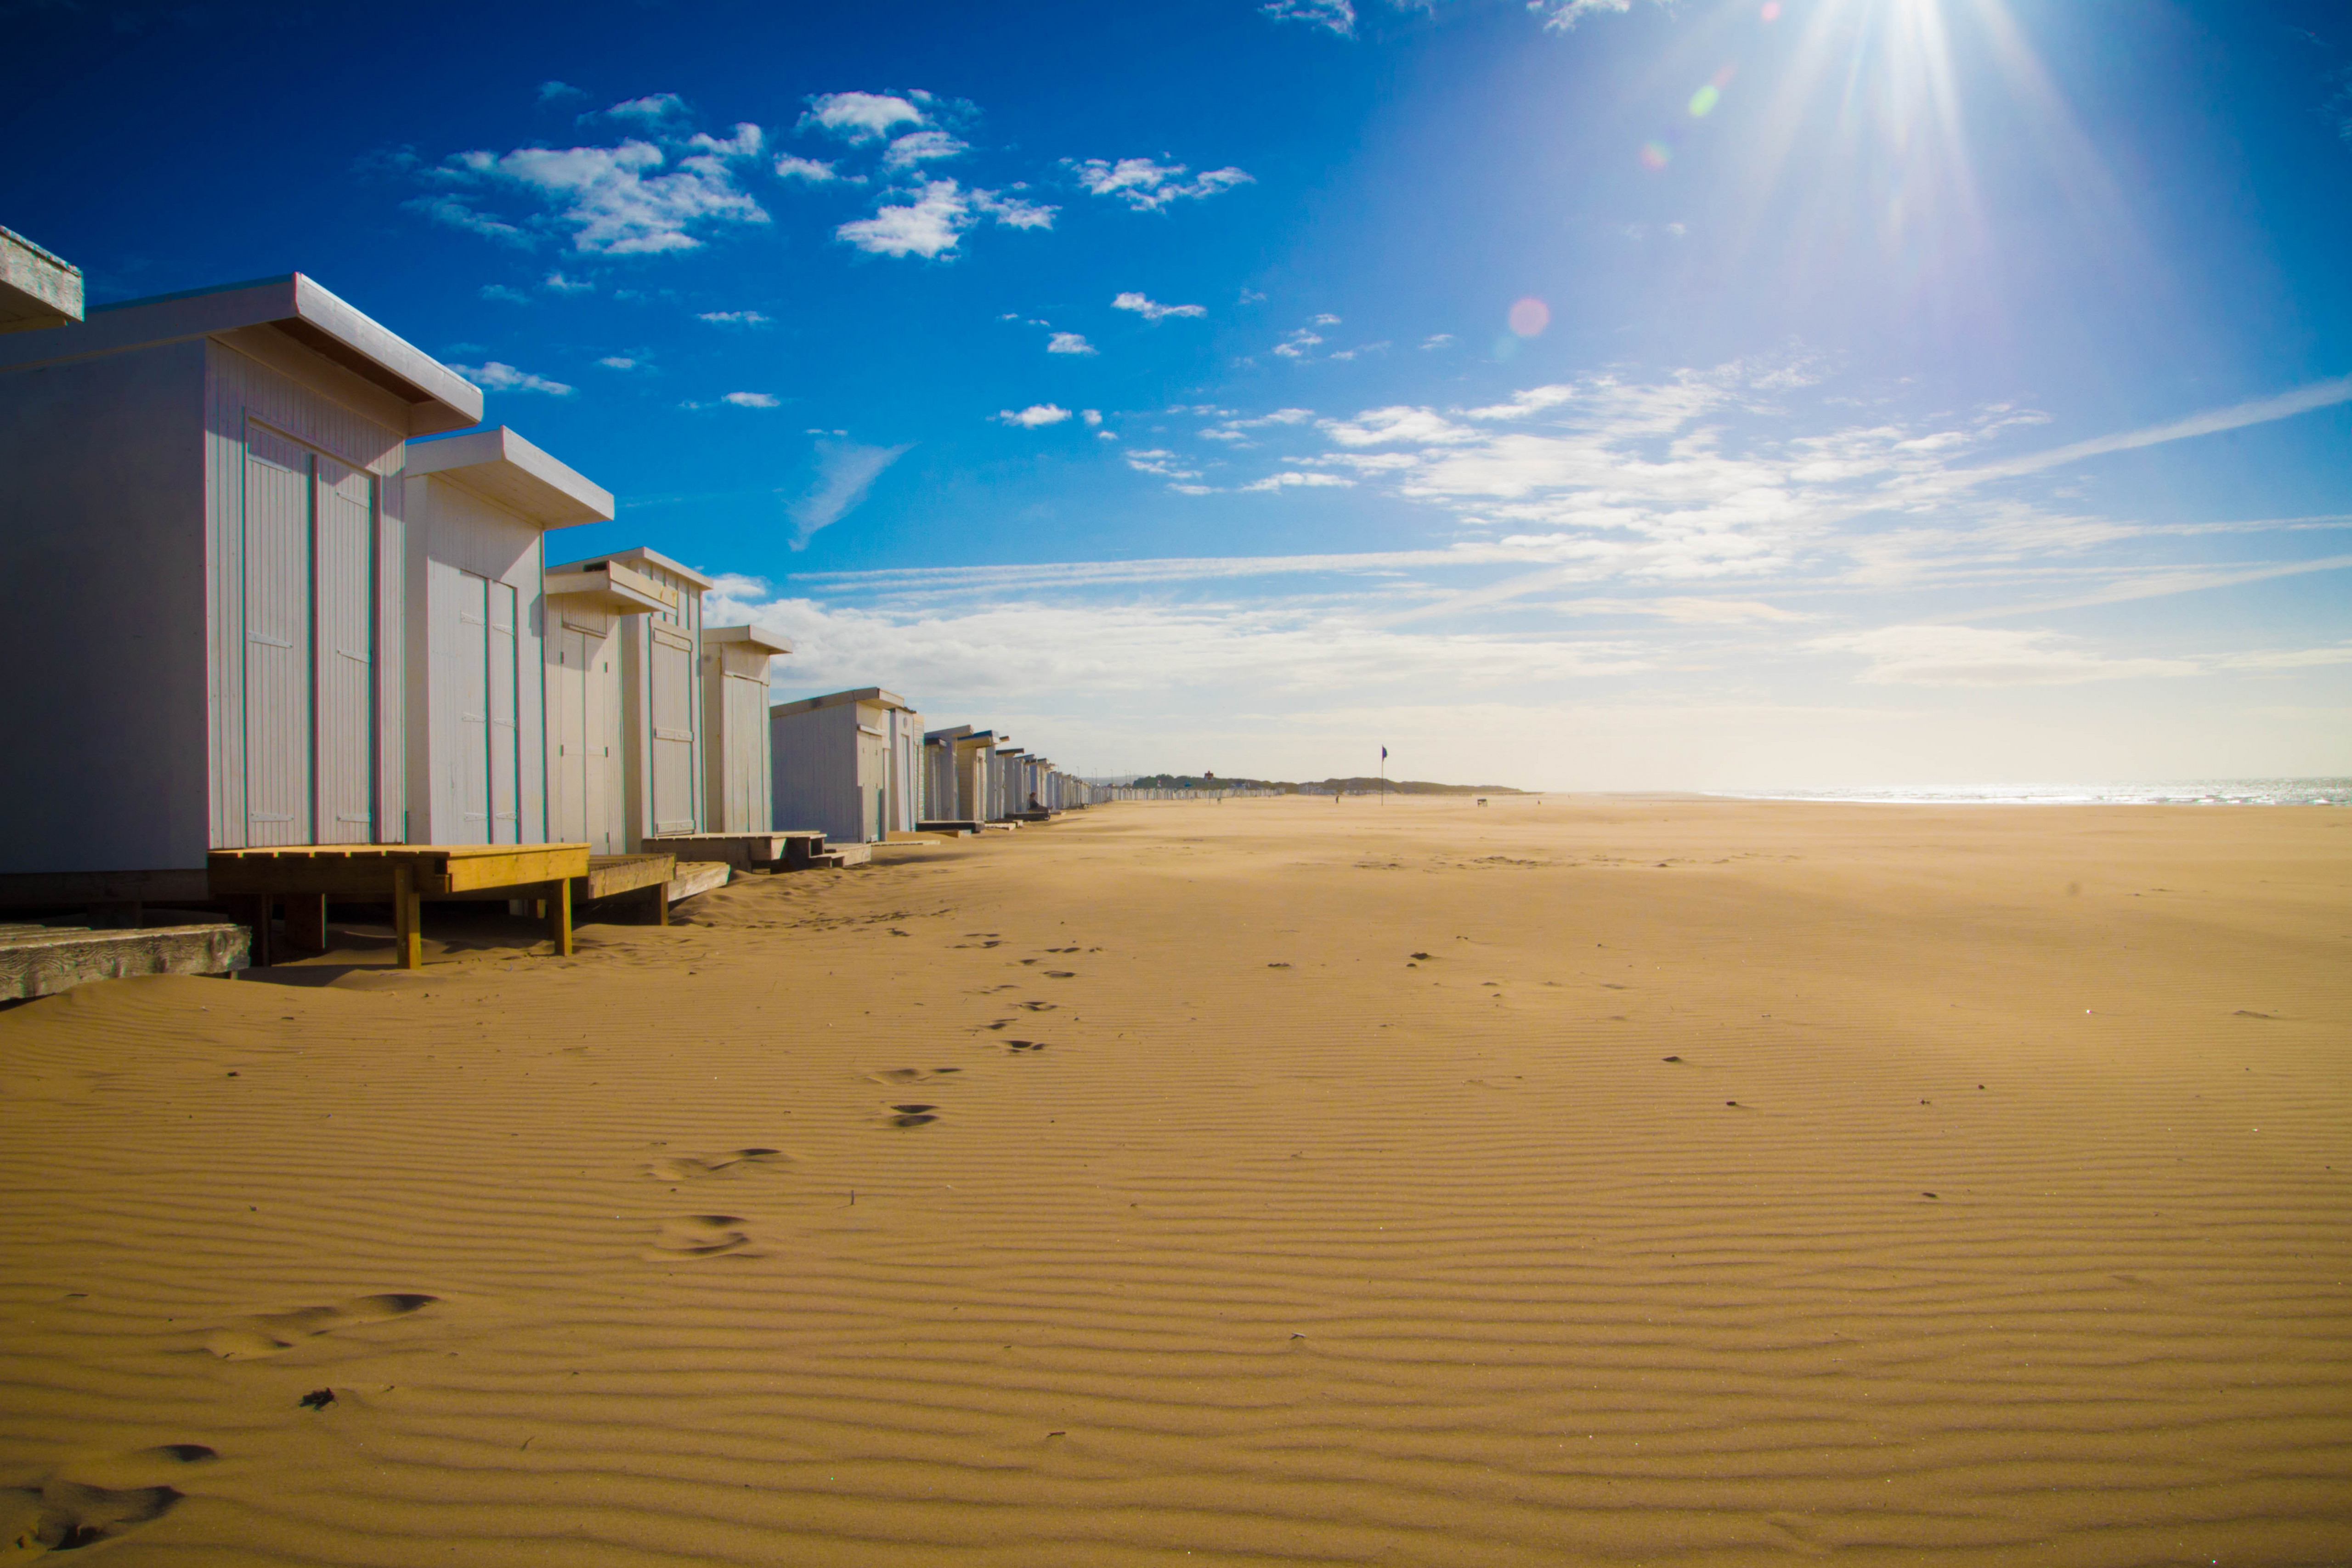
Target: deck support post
306,922
559,915
406,910
257,911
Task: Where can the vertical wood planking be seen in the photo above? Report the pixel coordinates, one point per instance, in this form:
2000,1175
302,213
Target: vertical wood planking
504,794
277,653
345,653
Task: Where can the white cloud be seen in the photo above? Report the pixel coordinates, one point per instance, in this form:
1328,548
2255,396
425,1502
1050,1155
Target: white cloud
557,283
1379,347
792,167
745,144
496,376
1294,480
1035,415
2290,658
618,362
1297,344
733,318
752,400
1326,319
615,200
1378,426
1977,656
929,226
1151,310
934,221
861,116
558,92
499,292
1014,212
921,147
1561,15
1068,343
449,210
653,106
1093,417
1437,340
845,471
1147,186
1333,15
1159,463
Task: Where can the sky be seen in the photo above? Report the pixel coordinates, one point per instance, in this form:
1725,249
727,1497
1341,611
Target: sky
1582,394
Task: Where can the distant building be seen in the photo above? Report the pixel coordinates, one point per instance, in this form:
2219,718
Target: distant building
847,764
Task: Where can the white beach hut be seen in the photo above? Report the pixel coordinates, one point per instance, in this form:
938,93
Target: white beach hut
481,754
659,696
202,617
846,764
741,793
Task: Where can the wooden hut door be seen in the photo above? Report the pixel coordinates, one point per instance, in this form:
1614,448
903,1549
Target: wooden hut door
344,653
278,503
458,635
567,737
672,661
607,801
505,731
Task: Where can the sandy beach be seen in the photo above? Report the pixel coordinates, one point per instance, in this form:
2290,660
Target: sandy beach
1656,1181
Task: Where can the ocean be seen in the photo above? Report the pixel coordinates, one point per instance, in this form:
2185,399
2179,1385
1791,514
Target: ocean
2188,791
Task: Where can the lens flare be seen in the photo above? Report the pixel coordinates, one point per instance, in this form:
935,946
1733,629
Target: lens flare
1530,317
1656,154
1704,101
1772,12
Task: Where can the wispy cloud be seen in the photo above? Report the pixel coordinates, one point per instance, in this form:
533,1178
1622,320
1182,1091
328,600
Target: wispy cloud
501,292
920,147
1333,16
653,106
498,376
1068,343
752,400
733,318
791,166
1148,186
1977,656
846,472
557,283
1151,310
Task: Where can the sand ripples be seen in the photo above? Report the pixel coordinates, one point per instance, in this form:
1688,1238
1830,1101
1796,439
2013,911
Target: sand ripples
798,1259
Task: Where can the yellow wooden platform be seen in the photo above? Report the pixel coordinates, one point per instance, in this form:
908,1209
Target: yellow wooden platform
400,874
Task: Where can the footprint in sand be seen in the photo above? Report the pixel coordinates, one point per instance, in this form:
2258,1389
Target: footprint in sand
910,1075
700,1235
270,1332
686,1167
79,1505
912,1115
1038,1006
1025,1046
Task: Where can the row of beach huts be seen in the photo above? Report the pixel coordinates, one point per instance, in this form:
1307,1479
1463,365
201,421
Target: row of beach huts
279,630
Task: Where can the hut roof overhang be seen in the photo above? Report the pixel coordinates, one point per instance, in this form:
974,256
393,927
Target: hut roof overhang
502,466
438,397
36,289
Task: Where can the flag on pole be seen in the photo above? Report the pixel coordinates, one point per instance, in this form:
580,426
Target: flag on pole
1384,753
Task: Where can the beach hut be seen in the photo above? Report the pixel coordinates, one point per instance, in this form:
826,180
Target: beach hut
587,788
202,614
482,752
941,802
846,764
659,685
742,795
37,289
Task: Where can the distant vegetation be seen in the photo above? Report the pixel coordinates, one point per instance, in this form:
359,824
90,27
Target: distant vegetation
1361,785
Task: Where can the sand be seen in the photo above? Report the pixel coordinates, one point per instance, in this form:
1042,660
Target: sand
1729,1183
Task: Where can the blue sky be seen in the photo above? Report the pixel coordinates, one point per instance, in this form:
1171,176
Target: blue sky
1823,393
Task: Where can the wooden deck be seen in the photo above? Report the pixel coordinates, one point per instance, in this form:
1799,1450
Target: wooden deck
617,876
743,851
402,874
42,960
